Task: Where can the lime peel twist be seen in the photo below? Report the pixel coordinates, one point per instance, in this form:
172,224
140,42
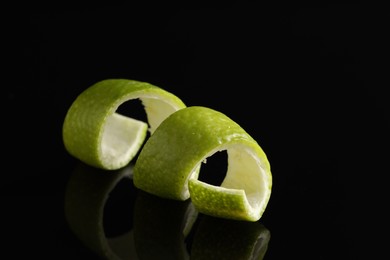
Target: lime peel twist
97,135
193,134
181,139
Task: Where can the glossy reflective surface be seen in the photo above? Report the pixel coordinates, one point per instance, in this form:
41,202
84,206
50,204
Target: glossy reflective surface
96,206
303,81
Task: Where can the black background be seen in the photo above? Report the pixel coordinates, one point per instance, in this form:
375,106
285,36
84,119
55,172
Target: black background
303,81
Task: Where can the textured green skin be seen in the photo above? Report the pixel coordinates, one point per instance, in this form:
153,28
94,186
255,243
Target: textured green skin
231,205
178,145
84,121
190,134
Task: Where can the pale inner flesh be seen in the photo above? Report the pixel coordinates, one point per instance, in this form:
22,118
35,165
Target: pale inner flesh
245,172
122,137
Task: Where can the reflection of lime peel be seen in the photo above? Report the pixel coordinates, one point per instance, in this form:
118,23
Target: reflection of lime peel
170,161
86,194
217,238
161,227
261,245
123,246
190,218
94,133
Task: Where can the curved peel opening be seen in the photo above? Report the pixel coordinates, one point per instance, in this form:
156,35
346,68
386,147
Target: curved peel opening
244,192
122,136
98,132
157,110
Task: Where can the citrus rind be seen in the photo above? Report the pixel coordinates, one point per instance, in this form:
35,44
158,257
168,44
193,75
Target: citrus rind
96,134
170,161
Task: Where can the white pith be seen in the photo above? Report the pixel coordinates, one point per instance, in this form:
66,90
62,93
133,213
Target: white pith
123,136
245,176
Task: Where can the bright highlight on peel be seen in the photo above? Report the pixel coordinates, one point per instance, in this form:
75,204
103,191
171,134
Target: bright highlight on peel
181,139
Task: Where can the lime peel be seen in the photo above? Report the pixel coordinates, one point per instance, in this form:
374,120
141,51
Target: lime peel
169,163
94,133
